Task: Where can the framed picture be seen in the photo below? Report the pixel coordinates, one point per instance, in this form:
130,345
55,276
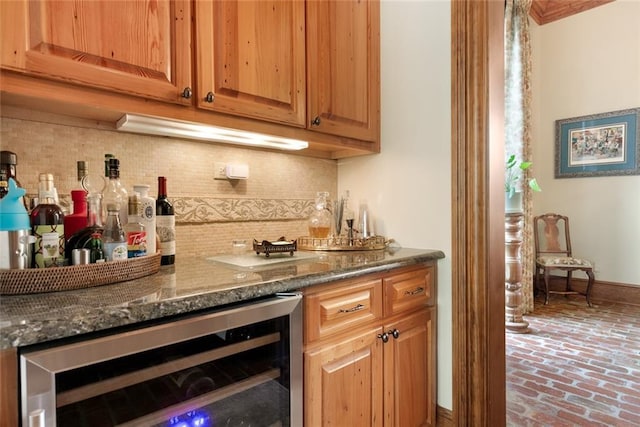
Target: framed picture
598,145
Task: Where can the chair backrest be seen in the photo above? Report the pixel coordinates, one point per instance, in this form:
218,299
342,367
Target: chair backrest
551,235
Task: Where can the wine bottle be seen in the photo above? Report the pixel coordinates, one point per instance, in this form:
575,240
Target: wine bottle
114,239
135,231
82,239
165,224
8,162
47,225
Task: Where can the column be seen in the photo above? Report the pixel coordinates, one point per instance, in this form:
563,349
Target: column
514,321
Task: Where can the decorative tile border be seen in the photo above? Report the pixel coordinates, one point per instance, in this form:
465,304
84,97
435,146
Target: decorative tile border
193,210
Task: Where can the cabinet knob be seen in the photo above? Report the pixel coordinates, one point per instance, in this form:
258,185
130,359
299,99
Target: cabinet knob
315,121
384,337
395,333
210,97
186,93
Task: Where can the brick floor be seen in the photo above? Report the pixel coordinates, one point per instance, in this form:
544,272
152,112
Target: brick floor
579,366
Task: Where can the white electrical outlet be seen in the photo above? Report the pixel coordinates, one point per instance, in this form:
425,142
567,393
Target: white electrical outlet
219,170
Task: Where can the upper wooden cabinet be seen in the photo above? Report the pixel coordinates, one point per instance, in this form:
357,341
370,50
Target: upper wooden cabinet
343,68
250,58
306,70
139,47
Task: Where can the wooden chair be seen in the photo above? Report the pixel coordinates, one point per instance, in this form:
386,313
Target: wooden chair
553,252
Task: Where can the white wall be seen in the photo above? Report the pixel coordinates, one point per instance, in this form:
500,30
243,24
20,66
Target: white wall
587,64
408,185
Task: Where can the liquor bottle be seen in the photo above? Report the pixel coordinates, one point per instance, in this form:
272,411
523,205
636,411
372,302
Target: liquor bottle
113,237
147,215
135,231
165,224
96,248
115,193
8,162
47,225
78,219
82,239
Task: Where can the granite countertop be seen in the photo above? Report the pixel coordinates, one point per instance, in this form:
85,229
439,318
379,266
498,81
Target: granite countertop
189,285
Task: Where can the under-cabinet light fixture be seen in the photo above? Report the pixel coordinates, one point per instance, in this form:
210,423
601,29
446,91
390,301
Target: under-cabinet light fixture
168,127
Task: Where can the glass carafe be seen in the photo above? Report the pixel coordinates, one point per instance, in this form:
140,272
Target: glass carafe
321,218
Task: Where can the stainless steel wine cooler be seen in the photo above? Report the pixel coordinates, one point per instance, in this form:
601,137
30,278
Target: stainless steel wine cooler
239,366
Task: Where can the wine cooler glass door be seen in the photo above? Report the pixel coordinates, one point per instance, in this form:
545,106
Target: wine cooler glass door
238,366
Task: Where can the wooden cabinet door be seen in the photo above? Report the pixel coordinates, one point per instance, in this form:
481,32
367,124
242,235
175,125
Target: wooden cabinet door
410,370
138,47
343,382
250,58
343,68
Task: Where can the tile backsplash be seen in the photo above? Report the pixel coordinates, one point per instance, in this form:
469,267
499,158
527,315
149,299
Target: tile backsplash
275,201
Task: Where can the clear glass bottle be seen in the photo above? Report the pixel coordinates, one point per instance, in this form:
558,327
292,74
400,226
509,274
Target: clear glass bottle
47,225
165,224
82,239
114,193
321,219
135,231
147,215
114,239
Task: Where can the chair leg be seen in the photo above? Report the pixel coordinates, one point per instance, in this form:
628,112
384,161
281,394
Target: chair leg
546,286
589,286
567,287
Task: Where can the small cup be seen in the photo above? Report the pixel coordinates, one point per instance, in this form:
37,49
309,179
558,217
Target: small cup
80,256
238,246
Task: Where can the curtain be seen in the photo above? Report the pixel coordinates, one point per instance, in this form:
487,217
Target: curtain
518,123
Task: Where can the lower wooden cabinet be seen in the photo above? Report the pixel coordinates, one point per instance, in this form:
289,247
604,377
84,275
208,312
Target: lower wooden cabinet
343,382
374,370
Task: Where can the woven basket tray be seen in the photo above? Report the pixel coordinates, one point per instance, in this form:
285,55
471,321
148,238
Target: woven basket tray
37,280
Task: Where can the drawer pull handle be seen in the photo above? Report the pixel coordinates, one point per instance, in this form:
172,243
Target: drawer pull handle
384,337
415,291
352,309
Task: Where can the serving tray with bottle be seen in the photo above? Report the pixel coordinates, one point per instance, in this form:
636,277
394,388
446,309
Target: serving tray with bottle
53,279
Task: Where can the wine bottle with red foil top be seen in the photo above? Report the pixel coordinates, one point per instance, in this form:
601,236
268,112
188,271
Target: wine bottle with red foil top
165,224
47,225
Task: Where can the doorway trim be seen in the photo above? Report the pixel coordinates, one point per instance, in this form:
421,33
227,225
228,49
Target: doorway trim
477,104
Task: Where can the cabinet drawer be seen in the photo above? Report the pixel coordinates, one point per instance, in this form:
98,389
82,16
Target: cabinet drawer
407,290
339,309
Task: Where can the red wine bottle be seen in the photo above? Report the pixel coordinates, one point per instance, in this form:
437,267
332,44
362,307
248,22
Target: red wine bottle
165,224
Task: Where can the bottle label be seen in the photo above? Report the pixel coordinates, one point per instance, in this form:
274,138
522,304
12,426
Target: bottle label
115,251
49,247
148,219
166,231
136,244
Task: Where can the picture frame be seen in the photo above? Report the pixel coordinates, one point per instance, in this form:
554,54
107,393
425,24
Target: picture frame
605,144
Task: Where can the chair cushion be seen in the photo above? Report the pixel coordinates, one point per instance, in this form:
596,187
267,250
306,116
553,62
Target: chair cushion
563,261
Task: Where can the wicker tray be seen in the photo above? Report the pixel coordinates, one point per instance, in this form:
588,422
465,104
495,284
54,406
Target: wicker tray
37,280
